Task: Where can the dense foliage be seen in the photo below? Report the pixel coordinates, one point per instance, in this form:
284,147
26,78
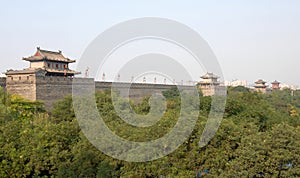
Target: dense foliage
259,137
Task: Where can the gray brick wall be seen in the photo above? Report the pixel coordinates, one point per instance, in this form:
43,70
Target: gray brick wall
51,89
22,85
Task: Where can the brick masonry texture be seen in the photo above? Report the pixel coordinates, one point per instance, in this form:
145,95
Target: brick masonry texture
50,89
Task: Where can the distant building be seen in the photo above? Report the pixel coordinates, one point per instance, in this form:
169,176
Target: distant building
260,86
286,86
275,85
209,84
236,83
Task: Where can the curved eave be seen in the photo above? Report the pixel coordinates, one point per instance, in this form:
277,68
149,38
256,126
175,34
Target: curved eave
63,71
260,86
260,83
46,59
25,71
275,83
209,77
32,60
209,83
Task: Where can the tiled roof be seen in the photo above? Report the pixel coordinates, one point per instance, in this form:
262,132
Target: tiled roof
275,82
32,71
24,71
260,81
209,75
48,55
209,82
62,71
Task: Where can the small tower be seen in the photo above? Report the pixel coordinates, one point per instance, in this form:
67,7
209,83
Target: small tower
260,86
275,85
209,84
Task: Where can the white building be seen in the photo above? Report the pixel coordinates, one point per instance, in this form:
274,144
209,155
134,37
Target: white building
236,83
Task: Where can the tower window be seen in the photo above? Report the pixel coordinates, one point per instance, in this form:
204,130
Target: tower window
48,65
56,66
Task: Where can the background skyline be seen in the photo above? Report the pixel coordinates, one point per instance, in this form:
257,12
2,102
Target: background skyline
252,40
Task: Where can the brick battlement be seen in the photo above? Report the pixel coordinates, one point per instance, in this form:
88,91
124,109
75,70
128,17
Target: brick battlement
29,79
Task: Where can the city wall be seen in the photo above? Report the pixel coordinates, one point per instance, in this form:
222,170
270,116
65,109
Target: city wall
51,89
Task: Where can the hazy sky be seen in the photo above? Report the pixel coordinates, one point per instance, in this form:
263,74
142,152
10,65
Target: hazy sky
251,39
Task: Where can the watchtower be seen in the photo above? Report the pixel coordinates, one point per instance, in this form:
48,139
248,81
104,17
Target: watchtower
275,85
44,66
260,86
54,63
209,84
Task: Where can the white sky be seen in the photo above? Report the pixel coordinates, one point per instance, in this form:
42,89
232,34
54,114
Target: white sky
251,39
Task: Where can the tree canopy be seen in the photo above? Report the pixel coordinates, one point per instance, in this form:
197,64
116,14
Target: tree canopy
258,137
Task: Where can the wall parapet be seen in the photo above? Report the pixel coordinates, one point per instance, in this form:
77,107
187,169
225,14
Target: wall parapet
53,88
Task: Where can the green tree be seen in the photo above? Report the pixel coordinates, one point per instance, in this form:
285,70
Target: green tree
63,110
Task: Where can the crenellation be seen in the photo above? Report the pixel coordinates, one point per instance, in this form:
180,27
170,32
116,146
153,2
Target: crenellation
54,79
